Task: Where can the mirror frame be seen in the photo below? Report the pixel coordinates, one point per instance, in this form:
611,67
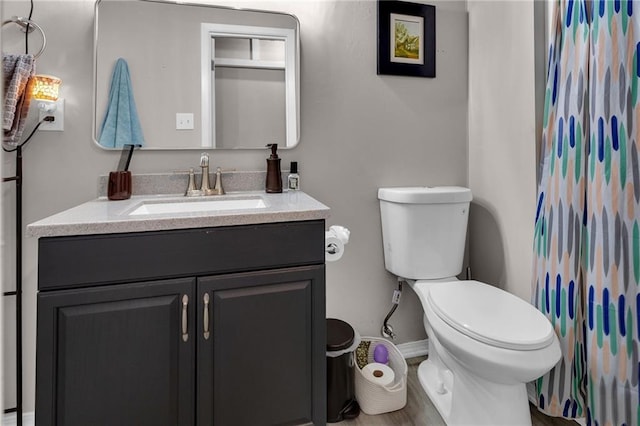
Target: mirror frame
292,107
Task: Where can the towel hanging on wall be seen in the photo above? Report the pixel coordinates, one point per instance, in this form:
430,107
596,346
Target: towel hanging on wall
17,71
121,125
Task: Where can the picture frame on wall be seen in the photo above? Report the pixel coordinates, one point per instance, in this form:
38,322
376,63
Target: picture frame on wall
406,39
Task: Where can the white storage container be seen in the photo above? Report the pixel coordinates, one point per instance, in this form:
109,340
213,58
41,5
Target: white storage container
372,397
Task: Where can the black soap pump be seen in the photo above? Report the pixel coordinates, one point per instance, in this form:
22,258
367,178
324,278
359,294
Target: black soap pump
274,176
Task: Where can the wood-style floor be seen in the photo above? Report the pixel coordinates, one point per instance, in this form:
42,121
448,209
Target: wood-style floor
420,411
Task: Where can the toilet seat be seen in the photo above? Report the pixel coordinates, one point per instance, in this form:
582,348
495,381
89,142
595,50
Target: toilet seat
490,315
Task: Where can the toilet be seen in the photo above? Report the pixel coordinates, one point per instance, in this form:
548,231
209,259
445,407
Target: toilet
484,344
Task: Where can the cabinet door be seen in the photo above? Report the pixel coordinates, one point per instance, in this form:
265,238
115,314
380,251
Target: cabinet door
116,355
264,361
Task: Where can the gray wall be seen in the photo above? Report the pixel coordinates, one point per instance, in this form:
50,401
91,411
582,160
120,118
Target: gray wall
359,131
502,148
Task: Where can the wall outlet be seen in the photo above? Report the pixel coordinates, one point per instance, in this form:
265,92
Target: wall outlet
57,125
184,121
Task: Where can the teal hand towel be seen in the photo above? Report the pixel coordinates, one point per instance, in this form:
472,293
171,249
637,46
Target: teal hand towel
121,125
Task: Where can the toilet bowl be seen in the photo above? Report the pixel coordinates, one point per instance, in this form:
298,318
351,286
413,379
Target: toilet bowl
484,346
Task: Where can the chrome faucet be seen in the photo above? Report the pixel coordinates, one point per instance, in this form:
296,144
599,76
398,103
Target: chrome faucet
205,186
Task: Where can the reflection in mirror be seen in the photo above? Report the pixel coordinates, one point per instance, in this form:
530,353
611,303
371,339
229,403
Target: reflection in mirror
244,72
231,74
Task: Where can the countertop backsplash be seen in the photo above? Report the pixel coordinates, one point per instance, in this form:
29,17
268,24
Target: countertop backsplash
176,183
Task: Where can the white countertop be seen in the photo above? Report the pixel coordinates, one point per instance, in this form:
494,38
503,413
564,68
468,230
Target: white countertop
102,216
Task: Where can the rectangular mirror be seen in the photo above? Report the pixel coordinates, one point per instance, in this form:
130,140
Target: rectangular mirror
230,76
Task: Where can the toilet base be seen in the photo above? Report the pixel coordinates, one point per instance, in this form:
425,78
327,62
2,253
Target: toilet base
473,383
464,400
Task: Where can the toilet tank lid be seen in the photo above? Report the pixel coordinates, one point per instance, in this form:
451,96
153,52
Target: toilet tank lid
425,194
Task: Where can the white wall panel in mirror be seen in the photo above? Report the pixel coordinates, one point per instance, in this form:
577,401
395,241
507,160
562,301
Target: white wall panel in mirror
246,75
235,70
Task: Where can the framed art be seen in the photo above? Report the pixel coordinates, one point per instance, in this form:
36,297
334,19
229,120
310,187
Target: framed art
406,39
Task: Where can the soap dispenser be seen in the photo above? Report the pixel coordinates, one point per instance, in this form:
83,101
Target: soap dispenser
274,176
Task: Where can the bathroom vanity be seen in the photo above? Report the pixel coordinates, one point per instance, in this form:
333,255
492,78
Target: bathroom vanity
214,317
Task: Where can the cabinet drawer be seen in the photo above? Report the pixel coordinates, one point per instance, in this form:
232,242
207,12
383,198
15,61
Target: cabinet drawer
80,261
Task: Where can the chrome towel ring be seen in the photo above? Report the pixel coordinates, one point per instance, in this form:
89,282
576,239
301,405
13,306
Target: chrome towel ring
28,25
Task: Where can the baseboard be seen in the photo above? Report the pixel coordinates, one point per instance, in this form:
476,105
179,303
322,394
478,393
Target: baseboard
414,349
10,419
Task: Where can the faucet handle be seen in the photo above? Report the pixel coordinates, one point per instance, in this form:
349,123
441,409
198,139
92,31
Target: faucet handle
218,189
192,191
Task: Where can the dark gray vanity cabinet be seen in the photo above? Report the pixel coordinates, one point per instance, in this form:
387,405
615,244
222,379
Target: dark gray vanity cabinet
215,326
114,355
254,365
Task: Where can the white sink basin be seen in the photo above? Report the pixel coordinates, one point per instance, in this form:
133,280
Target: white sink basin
197,205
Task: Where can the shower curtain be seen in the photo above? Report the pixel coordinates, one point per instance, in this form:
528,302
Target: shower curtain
587,231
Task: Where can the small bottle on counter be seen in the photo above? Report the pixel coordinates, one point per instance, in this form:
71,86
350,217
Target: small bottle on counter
293,179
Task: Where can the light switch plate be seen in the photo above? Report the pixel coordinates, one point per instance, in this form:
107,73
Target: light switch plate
184,121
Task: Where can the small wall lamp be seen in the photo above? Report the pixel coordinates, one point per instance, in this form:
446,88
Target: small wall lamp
45,90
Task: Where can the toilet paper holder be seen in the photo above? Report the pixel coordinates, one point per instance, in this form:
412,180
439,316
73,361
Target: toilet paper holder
331,248
335,239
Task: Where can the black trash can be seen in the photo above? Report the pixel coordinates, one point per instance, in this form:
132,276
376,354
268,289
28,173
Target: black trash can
341,395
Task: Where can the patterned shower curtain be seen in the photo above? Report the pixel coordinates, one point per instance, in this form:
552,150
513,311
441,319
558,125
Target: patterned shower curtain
587,231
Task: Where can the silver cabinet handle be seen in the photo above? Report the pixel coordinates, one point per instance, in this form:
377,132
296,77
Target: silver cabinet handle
205,316
185,302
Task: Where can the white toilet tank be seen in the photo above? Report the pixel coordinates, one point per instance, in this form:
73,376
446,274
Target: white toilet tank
424,230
